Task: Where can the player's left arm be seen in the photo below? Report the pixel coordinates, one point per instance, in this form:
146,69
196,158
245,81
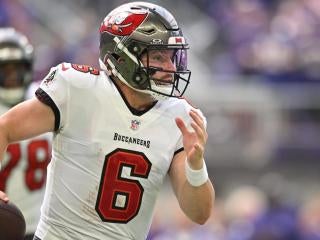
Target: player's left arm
195,201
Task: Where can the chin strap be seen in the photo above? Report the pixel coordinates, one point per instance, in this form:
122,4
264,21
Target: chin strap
113,71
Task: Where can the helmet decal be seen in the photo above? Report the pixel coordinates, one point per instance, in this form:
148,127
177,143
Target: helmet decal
122,24
176,40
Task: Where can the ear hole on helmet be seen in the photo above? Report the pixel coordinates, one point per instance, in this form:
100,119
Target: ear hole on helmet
115,56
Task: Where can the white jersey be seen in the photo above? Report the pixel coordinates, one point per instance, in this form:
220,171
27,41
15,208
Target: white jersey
23,175
108,161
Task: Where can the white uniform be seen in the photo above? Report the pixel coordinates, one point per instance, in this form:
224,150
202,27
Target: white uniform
108,161
23,175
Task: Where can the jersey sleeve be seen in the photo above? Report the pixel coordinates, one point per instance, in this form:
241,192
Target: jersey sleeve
53,91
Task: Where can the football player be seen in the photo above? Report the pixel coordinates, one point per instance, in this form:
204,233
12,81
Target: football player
118,132
23,171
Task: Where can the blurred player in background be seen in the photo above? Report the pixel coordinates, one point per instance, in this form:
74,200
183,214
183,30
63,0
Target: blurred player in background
118,132
23,171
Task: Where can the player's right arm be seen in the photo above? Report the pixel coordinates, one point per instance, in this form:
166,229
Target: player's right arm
25,120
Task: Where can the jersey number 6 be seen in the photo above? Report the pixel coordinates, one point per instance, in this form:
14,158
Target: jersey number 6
119,198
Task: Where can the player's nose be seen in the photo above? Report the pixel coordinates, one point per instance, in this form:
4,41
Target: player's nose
170,66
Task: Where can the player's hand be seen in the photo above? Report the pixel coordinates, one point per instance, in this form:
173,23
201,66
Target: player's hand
194,141
4,196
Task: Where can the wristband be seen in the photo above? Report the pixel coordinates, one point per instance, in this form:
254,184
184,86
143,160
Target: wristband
196,177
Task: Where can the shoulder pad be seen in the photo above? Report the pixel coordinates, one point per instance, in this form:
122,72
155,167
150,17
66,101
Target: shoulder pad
188,102
82,76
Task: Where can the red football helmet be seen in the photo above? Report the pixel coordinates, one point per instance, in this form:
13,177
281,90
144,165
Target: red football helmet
137,28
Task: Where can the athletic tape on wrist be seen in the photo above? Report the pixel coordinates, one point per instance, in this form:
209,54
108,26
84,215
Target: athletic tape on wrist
196,177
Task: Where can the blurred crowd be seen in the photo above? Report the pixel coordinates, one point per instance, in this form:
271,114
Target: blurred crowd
273,45
269,40
246,213
275,41
60,32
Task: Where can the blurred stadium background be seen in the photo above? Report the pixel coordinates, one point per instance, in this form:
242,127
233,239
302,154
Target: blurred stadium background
256,76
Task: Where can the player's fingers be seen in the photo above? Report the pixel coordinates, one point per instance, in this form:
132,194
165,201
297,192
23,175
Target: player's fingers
202,135
4,196
197,153
197,118
181,126
200,122
199,149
